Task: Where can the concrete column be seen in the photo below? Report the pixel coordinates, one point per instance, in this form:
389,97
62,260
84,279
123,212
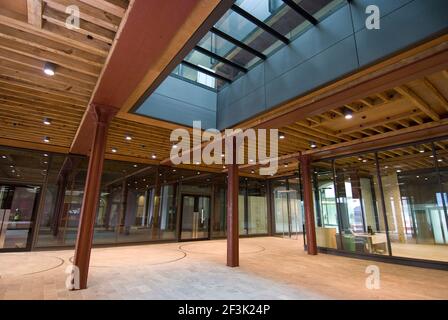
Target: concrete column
103,116
305,164
232,211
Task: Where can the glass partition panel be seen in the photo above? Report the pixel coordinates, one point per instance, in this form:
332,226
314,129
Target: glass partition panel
326,215
257,214
362,226
413,201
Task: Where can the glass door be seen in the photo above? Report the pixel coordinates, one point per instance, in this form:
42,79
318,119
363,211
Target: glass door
195,217
18,205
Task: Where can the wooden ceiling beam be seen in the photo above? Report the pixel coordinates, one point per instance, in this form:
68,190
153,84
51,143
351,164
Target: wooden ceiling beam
43,89
35,13
87,13
115,7
418,101
86,28
38,65
49,56
436,92
54,33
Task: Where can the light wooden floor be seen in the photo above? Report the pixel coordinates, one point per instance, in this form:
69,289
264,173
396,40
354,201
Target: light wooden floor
420,251
271,268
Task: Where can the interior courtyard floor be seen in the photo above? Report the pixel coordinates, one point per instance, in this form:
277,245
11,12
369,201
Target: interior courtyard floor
270,268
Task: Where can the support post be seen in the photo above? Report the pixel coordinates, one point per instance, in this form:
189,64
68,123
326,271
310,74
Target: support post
232,207
305,163
102,116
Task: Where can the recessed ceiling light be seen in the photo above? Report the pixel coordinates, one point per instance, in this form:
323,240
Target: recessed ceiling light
45,154
422,150
398,171
431,156
313,144
49,69
281,136
365,160
47,139
348,114
4,157
199,173
128,137
174,170
154,156
440,160
286,165
114,150
135,165
47,121
253,172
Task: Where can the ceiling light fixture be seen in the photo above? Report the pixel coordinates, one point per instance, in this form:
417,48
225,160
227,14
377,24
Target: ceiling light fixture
114,150
154,156
281,136
47,121
49,69
47,139
128,137
313,145
348,114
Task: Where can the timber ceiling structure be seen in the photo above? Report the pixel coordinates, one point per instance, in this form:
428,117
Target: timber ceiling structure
33,33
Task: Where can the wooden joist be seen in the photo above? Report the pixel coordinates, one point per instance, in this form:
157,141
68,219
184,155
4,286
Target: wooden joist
35,13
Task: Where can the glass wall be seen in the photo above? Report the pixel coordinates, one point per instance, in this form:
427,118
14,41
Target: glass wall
392,202
288,207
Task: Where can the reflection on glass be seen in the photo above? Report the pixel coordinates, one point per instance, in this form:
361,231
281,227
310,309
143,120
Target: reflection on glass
288,209
361,230
195,217
17,211
415,201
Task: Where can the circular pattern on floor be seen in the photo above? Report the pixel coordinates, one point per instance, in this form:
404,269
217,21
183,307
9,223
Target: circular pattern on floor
141,256
29,264
219,248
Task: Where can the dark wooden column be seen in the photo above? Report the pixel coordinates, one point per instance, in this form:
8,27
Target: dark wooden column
305,164
233,254
102,115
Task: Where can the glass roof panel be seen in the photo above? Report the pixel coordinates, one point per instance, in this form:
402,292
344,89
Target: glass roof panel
209,63
228,50
276,14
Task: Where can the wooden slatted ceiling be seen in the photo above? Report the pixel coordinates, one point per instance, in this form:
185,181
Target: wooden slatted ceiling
33,32
410,105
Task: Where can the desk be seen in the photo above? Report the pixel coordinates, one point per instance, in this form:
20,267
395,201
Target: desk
372,240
